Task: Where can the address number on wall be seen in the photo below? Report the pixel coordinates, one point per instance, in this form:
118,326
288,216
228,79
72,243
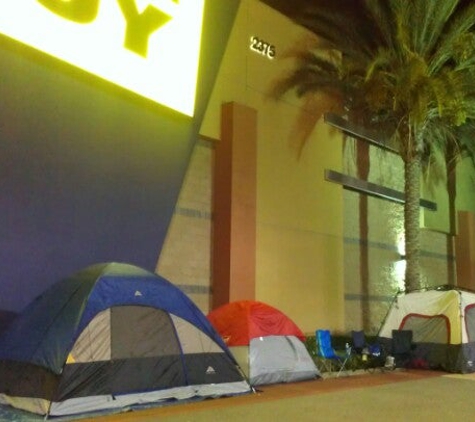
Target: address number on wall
262,47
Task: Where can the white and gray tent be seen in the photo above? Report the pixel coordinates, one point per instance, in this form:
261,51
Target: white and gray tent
442,321
266,343
110,337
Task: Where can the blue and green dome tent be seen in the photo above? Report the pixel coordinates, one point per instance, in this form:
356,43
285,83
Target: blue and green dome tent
109,337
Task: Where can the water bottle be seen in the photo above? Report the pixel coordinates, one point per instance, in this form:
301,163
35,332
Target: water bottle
348,349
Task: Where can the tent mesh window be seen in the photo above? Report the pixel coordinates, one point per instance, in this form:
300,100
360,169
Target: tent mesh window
470,322
142,332
431,329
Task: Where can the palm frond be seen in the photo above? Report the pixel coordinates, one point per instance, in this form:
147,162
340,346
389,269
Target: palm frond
428,23
332,23
455,31
414,63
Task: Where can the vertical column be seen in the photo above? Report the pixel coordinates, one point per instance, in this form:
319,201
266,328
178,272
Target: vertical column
465,250
234,206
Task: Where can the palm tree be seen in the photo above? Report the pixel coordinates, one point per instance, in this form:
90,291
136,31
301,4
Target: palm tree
405,65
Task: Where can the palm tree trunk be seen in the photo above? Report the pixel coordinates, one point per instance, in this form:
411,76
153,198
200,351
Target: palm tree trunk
412,190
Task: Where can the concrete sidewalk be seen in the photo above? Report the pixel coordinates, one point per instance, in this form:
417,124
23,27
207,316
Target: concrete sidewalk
401,395
407,395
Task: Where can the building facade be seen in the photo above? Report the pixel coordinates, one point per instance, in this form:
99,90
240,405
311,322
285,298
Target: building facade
224,202
327,255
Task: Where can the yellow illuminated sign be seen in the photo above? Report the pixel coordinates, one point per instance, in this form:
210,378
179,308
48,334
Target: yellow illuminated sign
150,47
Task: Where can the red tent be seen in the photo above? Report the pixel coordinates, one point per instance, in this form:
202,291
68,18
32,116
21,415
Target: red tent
239,322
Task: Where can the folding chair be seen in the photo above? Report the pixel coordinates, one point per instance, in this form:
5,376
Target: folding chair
358,339
370,354
327,354
402,347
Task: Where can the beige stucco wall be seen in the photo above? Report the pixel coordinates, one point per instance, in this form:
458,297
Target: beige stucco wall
465,199
374,271
186,253
299,251
299,215
315,259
